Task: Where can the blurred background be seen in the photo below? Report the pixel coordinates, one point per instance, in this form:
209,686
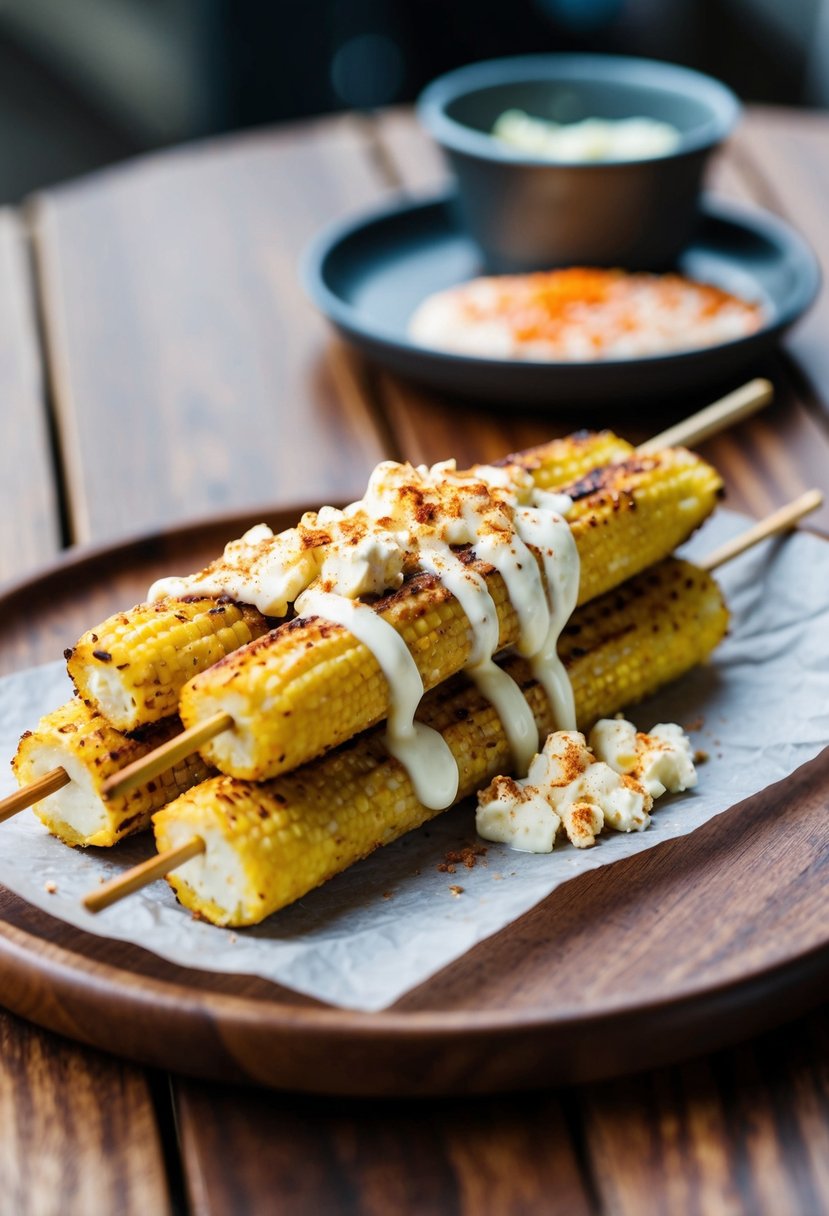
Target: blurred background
84,83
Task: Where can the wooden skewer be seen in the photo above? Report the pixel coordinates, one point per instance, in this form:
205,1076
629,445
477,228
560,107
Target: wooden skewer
157,867
779,521
143,875
54,780
167,756
730,409
742,403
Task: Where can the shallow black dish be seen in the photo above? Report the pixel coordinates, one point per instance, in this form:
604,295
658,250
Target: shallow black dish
367,276
526,211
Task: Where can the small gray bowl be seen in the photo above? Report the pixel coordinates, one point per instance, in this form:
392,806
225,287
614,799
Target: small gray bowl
531,214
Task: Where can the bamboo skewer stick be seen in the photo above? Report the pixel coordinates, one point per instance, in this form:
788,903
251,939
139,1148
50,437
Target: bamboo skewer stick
730,409
54,780
779,521
169,754
141,876
164,863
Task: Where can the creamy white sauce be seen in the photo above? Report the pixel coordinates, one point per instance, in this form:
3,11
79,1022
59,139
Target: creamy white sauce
550,534
591,139
423,752
470,590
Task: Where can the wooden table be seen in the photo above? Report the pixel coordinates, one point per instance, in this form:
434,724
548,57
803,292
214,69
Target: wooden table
159,361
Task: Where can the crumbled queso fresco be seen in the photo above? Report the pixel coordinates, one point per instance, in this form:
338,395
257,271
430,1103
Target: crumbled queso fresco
576,789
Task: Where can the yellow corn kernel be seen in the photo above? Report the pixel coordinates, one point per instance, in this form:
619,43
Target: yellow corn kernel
132,667
563,460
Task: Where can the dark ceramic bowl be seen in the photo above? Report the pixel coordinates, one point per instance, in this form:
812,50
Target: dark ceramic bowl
526,213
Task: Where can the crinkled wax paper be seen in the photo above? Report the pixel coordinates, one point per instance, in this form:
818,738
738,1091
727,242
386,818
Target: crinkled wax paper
382,928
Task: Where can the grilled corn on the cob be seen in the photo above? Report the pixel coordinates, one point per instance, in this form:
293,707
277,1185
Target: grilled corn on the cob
310,685
80,741
133,665
268,845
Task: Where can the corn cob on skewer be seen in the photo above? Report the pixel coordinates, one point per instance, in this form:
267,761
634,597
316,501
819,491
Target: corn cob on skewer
281,691
83,744
268,845
132,666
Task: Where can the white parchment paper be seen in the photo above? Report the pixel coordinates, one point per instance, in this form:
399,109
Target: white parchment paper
390,922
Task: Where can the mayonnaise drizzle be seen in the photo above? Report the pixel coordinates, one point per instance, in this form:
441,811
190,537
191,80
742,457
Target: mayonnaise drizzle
470,590
422,751
550,534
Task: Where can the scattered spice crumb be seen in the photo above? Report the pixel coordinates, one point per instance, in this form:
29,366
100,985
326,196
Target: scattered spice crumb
50,887
196,916
388,895
695,724
456,891
467,856
700,756
497,877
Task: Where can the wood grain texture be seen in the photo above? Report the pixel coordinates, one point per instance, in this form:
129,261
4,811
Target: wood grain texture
29,523
743,1133
504,1157
77,1130
189,368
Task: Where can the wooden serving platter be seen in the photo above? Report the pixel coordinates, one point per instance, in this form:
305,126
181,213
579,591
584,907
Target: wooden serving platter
695,943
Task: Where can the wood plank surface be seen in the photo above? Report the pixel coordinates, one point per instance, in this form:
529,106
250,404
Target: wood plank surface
491,1157
742,1133
29,523
78,1133
78,1130
190,371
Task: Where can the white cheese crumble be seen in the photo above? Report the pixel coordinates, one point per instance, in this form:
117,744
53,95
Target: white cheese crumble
576,789
661,761
367,548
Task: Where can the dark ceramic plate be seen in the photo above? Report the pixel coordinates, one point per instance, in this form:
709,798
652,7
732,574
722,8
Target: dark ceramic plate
368,276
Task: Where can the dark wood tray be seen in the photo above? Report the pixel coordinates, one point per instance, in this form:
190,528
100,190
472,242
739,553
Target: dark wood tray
696,943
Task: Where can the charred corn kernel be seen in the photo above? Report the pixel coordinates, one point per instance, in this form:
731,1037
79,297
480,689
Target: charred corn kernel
628,515
562,460
132,667
78,740
310,685
268,845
